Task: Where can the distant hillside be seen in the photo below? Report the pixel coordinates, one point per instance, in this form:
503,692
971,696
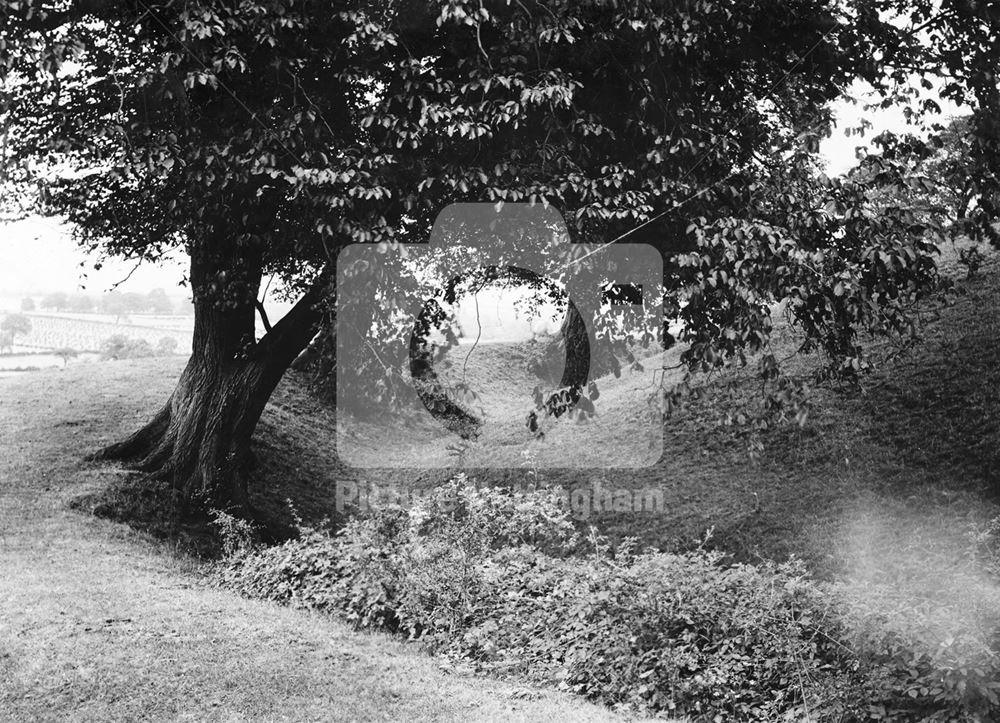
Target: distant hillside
52,331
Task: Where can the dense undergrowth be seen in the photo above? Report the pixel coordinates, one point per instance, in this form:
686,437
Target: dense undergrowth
506,581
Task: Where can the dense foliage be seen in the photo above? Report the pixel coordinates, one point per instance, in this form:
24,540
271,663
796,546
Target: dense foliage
505,582
120,346
951,48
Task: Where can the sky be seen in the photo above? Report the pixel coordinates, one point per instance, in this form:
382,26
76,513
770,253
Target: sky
37,255
497,313
839,149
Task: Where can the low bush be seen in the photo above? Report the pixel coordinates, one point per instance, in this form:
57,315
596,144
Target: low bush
505,581
120,346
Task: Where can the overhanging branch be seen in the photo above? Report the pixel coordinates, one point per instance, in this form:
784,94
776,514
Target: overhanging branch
263,316
293,332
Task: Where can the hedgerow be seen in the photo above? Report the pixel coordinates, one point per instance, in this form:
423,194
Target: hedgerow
504,580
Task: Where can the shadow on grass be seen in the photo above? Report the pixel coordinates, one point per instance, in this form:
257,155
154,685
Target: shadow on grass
149,506
295,470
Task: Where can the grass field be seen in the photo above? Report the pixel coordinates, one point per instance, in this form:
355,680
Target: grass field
100,622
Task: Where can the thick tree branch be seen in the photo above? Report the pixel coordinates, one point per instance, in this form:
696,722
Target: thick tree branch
263,316
293,332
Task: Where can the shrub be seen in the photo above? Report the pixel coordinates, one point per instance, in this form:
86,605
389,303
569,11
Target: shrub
238,536
504,580
120,346
927,678
66,353
929,625
382,570
679,633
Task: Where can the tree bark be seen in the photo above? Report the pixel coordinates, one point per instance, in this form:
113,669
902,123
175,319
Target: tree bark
199,442
577,346
574,343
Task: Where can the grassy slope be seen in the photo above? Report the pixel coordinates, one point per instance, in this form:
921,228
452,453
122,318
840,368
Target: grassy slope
101,623
918,444
878,487
499,374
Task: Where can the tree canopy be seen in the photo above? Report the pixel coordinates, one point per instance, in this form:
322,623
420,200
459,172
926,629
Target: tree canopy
262,136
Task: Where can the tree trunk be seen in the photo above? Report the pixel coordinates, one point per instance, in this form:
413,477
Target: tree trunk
577,346
199,442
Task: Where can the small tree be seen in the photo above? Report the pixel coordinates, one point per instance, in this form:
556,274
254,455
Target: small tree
120,346
66,353
16,324
114,347
27,304
135,303
139,349
113,303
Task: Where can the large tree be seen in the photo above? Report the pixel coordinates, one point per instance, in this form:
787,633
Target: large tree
264,135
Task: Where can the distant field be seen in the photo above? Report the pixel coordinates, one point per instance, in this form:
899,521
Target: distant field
85,332
19,363
155,321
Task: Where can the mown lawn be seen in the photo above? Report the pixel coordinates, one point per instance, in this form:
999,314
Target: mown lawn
100,623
